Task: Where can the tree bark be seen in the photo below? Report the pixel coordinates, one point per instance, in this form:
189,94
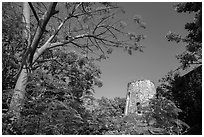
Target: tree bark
17,100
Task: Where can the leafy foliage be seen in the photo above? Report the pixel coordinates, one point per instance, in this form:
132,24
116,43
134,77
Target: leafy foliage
12,44
69,69
193,53
163,113
160,117
52,115
54,97
186,92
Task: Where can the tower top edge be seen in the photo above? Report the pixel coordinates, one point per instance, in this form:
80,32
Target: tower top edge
134,81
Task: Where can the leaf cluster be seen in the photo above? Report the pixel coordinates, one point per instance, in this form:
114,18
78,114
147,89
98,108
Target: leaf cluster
193,40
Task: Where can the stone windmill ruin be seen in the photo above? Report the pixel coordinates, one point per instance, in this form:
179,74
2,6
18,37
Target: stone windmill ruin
138,94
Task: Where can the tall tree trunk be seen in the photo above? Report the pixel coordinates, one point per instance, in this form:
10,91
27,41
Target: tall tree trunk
18,97
16,104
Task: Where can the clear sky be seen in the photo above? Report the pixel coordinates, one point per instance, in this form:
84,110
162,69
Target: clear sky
158,57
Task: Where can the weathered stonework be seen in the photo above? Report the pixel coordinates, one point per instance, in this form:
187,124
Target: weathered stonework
138,94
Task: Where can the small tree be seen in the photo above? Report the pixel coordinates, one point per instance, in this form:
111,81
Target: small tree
162,115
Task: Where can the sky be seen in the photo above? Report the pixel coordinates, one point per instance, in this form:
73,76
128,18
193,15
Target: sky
158,57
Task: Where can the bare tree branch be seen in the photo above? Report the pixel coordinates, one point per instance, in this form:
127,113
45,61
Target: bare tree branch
48,42
95,11
40,30
98,46
34,12
102,20
49,45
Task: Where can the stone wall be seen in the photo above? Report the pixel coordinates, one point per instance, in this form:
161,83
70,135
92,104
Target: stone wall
138,94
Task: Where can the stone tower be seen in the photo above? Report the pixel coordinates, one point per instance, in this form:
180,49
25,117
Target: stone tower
138,94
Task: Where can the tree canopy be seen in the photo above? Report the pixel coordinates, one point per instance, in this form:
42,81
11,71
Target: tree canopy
193,41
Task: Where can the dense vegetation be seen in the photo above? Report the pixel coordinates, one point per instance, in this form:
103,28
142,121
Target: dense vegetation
60,83
186,90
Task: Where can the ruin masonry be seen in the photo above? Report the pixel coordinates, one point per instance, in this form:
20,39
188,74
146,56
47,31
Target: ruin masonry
139,93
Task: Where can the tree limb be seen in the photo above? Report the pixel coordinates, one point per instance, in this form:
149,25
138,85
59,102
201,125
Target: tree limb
40,30
49,45
34,12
